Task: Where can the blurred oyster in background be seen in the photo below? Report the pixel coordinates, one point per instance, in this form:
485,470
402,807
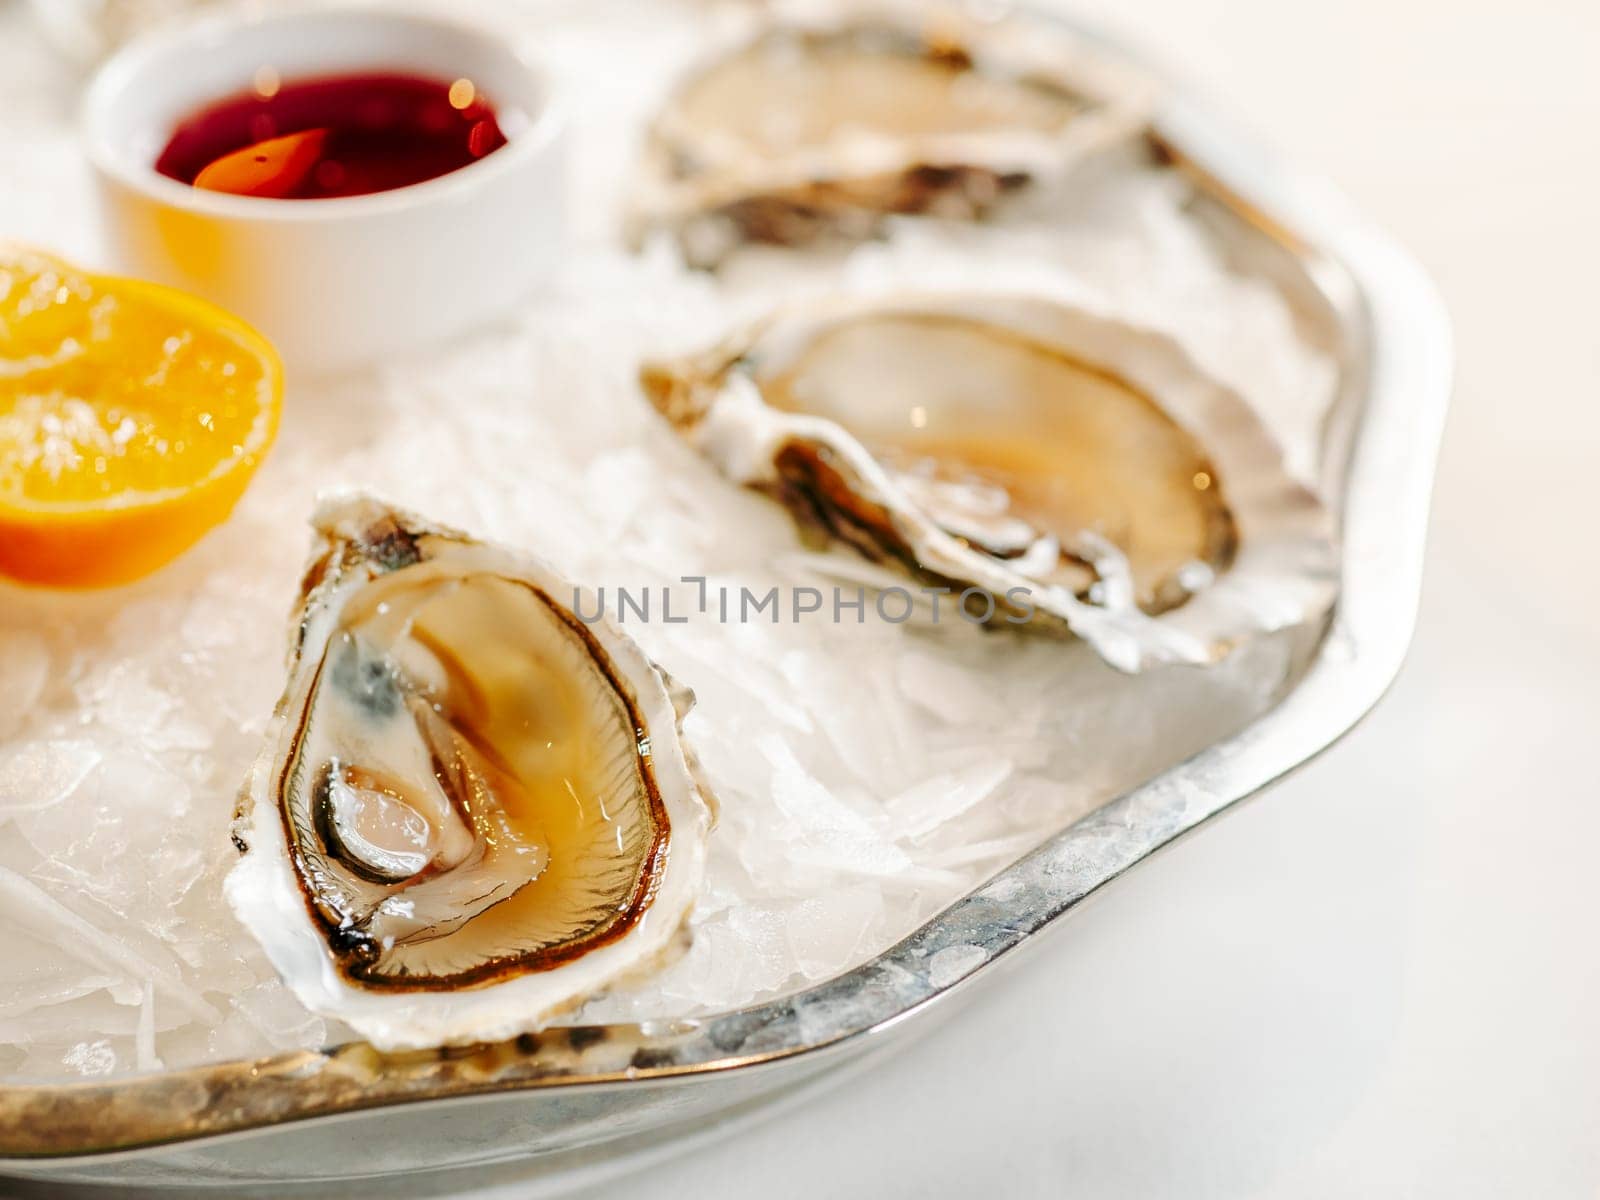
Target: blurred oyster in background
826,119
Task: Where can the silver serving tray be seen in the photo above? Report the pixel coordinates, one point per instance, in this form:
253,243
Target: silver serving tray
573,1096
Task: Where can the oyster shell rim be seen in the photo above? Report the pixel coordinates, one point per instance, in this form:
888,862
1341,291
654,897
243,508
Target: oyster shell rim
1284,532
266,892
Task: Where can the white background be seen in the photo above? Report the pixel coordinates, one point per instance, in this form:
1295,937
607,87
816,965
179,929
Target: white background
1381,978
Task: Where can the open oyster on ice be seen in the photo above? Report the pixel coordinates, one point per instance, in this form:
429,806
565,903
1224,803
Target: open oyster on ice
473,809
1051,467
828,121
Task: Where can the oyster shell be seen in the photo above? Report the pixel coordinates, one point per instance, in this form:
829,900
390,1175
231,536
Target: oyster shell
473,809
828,122
1073,470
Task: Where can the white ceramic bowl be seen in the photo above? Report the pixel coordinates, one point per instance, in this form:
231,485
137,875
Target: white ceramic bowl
342,282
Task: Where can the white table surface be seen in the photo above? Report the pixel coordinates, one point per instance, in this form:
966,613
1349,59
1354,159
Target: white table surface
1380,979
1383,977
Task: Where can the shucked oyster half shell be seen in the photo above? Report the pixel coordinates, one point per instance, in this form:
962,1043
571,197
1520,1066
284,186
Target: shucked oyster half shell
829,121
473,809
1075,470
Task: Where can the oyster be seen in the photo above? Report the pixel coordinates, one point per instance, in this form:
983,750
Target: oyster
830,122
473,809
1053,467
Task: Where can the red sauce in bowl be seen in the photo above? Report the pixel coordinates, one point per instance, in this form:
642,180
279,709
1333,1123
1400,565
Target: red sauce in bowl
340,135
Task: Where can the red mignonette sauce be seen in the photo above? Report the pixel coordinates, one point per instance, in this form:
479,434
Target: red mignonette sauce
336,135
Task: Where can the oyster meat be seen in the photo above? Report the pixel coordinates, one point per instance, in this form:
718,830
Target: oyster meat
828,122
1049,465
473,809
